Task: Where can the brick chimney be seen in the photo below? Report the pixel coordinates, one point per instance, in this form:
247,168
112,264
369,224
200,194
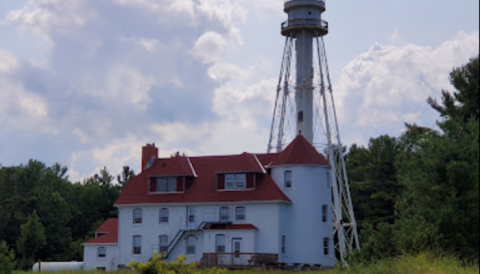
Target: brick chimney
148,152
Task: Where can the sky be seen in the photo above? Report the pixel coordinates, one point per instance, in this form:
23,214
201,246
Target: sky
87,83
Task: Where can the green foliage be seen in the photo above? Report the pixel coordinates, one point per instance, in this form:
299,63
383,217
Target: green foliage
31,240
158,266
464,103
7,259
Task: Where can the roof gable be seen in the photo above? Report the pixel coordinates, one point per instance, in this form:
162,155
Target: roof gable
110,227
300,152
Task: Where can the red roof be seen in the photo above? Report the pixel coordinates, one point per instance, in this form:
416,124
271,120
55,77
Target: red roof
202,188
300,152
232,227
176,166
110,227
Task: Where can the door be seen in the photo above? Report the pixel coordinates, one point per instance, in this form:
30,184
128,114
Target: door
191,217
237,250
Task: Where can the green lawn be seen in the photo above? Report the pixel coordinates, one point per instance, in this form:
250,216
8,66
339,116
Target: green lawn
422,264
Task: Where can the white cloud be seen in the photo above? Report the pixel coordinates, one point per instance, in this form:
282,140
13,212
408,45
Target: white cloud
389,85
8,63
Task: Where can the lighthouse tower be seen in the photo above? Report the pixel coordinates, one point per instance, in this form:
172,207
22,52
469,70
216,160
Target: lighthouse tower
304,105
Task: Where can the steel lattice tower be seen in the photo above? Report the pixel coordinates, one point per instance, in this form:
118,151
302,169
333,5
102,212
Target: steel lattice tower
305,105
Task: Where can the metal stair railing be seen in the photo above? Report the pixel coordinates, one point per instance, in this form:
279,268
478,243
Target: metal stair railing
148,253
206,216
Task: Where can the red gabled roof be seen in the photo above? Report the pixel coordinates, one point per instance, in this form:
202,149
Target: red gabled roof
110,227
176,166
300,152
202,188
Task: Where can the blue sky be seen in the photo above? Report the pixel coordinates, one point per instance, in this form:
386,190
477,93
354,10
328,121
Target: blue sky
86,83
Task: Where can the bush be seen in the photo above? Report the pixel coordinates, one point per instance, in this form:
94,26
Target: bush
7,259
158,266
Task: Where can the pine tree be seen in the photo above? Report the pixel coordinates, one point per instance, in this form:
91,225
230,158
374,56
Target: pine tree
32,239
7,259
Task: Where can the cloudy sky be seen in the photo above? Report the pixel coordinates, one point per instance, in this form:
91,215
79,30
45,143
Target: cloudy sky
86,83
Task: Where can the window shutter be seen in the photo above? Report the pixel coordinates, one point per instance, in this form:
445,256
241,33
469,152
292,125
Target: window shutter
153,184
221,181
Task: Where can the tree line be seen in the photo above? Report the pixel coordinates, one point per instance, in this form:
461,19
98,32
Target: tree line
44,216
412,193
420,191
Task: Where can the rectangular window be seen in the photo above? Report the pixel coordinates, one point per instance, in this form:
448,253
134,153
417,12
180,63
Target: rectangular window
191,243
236,181
288,179
137,245
166,184
221,243
284,243
240,213
224,214
329,181
164,215
102,252
325,213
326,247
137,216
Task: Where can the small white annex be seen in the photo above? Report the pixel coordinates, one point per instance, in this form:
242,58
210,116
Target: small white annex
225,211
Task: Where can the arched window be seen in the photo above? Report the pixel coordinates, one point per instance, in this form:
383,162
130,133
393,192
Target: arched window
224,214
191,244
325,213
163,243
221,243
240,213
137,216
102,252
164,215
137,245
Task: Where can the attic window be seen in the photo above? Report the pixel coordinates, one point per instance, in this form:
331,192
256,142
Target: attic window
166,184
236,181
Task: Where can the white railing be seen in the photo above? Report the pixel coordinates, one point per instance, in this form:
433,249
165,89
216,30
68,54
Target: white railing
286,1
310,22
205,216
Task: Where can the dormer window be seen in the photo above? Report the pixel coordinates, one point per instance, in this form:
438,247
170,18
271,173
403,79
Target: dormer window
236,181
163,184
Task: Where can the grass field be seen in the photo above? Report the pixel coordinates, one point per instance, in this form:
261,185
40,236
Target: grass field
421,264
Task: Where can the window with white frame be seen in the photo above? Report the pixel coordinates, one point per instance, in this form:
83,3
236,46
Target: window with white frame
240,213
224,214
166,184
137,216
324,213
102,252
326,247
288,178
235,181
191,244
164,214
163,243
221,243
137,245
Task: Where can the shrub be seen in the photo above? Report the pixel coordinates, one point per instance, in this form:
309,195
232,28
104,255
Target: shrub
7,259
158,266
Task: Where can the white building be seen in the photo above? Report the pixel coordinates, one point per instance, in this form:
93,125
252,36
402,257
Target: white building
223,211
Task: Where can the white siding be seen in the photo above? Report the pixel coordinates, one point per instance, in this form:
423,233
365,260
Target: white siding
92,261
302,222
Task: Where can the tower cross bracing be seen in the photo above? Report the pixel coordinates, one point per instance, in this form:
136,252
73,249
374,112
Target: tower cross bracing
305,105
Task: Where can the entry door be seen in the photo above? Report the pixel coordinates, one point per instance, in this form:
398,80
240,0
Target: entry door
237,250
191,217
